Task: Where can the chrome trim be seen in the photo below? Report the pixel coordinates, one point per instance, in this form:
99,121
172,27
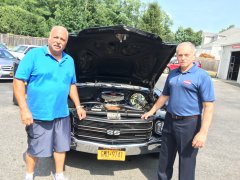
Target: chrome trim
152,146
132,121
110,140
96,129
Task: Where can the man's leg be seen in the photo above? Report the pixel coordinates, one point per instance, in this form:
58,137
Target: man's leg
168,151
30,163
62,140
59,158
167,157
185,132
39,145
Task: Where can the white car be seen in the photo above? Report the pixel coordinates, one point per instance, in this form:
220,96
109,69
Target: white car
20,50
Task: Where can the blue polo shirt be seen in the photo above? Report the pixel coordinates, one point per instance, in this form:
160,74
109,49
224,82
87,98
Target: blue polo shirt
187,91
48,83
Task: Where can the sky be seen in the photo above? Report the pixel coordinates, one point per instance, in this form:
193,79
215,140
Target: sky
206,15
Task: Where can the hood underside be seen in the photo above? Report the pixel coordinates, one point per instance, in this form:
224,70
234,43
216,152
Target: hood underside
119,54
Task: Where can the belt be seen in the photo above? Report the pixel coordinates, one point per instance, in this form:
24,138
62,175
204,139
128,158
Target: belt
182,117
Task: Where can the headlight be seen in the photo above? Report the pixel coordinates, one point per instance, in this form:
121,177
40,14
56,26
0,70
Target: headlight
161,113
138,100
158,127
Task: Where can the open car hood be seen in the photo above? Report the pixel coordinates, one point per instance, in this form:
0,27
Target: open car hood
119,54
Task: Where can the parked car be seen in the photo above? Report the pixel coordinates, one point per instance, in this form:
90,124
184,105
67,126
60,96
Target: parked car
116,70
3,45
20,50
173,64
6,64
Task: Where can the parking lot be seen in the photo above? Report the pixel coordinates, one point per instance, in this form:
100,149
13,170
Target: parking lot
219,160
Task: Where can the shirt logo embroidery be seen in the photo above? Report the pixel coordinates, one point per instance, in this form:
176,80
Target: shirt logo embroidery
187,82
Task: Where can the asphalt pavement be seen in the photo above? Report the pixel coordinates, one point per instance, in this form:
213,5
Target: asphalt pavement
218,160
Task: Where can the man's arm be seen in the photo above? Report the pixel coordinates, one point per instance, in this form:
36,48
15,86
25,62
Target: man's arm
20,94
75,98
200,138
160,102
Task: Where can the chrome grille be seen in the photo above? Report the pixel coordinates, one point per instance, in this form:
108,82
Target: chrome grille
95,129
7,68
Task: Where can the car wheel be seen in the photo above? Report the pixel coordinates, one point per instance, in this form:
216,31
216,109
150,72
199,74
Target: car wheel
166,70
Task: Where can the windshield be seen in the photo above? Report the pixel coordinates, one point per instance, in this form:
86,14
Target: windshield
5,54
3,46
19,49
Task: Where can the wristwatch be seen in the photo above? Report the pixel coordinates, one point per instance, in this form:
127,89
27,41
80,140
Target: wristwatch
78,107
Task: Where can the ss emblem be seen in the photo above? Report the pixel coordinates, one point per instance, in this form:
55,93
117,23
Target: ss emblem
113,132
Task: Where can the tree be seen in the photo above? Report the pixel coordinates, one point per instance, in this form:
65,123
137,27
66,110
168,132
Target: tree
44,8
37,16
130,12
10,3
229,27
15,20
155,20
70,14
80,14
188,34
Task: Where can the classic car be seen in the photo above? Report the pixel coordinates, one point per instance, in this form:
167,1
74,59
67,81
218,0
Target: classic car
116,70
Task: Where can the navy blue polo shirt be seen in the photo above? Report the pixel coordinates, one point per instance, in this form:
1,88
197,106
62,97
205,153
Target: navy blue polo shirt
48,83
187,91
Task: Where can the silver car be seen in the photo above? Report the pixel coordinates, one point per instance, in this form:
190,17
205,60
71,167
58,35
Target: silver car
6,64
20,50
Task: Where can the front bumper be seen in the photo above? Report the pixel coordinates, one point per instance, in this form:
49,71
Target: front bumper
6,75
152,146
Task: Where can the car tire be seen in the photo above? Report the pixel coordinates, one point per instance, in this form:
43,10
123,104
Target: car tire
166,70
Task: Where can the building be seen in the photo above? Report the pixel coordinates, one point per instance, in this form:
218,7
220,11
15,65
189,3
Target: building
225,47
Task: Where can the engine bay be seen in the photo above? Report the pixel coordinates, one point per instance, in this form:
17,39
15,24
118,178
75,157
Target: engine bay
99,99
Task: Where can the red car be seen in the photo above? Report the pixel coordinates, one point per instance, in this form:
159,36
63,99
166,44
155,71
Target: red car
173,64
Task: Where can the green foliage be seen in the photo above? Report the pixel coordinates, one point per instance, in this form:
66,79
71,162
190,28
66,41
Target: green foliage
43,8
229,27
188,34
10,2
80,14
36,17
15,20
155,20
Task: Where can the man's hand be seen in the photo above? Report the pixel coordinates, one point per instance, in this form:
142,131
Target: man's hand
199,140
81,113
26,117
146,115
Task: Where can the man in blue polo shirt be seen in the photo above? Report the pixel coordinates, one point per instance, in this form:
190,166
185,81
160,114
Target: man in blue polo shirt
50,76
190,95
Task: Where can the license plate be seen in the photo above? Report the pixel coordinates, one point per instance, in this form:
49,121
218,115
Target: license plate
113,116
111,154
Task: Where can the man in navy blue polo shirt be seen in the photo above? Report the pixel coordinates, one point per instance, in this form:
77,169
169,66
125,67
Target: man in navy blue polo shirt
190,95
50,76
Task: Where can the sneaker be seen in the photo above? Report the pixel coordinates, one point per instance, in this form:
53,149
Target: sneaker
29,177
60,177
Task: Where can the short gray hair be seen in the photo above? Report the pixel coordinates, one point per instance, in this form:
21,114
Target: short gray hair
59,27
187,43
